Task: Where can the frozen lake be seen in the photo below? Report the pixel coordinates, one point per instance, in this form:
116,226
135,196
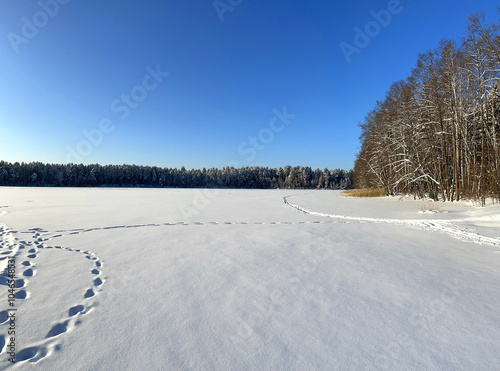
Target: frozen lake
176,279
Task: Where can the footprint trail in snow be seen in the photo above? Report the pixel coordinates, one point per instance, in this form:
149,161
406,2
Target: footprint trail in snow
26,253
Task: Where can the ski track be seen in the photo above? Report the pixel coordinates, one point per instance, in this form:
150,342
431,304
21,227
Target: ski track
435,225
28,251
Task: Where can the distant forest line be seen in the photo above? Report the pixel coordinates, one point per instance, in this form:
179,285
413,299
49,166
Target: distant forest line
437,133
37,174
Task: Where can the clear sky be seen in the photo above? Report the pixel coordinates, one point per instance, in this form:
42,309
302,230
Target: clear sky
70,67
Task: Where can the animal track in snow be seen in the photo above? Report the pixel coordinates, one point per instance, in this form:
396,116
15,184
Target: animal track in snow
21,294
20,283
58,329
26,354
90,293
73,311
29,272
176,224
9,247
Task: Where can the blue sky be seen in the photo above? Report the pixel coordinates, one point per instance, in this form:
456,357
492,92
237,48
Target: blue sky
231,73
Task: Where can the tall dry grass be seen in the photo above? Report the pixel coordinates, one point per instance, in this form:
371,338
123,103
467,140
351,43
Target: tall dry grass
369,192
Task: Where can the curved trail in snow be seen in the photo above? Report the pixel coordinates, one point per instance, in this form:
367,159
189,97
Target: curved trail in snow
445,226
26,252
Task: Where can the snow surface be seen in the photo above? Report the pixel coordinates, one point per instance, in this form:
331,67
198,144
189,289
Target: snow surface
174,279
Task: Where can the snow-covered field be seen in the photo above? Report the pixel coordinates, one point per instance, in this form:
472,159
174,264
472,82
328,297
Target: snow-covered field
126,279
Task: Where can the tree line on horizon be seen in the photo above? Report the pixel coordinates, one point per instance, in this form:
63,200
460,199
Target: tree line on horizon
437,133
36,174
